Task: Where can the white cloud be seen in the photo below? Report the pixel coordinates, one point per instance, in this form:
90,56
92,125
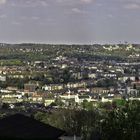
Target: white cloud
135,1
75,1
29,18
110,16
35,18
132,6
86,1
43,3
78,11
16,23
29,3
2,16
3,1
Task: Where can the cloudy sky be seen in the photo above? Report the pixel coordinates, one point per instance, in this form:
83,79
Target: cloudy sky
70,21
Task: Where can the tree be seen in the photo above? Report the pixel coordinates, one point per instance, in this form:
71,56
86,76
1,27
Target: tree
87,105
75,122
66,76
59,102
137,78
122,123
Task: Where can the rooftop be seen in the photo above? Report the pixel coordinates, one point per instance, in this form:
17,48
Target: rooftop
23,127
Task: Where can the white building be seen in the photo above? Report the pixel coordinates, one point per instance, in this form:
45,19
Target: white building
80,98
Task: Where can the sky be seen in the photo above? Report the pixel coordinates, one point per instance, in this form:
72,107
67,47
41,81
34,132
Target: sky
70,21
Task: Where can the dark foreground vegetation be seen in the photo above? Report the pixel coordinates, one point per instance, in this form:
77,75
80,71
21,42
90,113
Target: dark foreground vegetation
114,123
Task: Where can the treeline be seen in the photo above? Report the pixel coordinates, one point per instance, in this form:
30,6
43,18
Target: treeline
114,123
87,52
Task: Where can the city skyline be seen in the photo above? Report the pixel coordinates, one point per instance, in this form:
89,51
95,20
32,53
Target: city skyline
69,21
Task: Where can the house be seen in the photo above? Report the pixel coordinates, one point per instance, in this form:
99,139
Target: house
109,75
136,84
76,85
132,92
5,91
108,98
11,95
134,98
95,99
12,88
126,77
48,101
100,90
11,98
36,97
30,87
53,87
80,98
83,90
92,75
77,75
2,78
67,96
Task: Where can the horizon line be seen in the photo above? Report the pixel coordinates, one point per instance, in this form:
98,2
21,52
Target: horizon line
45,43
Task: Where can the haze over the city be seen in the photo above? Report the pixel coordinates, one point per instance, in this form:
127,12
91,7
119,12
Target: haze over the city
70,21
